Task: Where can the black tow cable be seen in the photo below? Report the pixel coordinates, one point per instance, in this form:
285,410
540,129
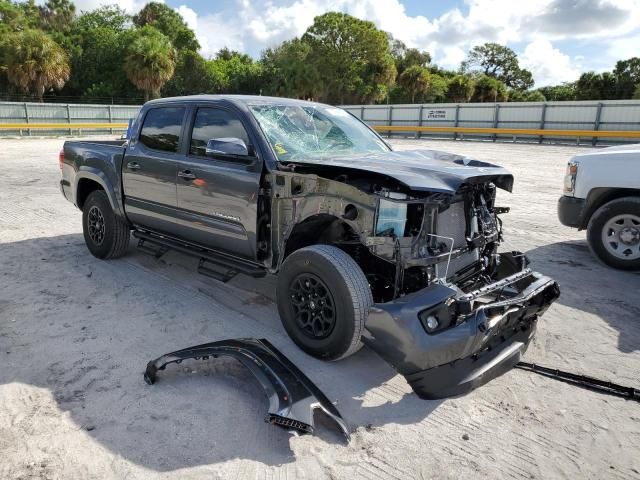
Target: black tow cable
583,381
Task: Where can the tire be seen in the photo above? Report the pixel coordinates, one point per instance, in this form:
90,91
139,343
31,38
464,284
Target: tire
613,233
336,322
106,235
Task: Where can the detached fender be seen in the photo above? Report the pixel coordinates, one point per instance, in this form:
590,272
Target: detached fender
292,396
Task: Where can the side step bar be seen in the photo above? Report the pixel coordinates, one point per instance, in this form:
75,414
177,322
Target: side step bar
157,246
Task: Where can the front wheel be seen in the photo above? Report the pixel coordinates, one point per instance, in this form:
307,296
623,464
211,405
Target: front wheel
106,235
323,300
614,233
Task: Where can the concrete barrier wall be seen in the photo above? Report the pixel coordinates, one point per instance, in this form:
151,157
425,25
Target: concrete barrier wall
603,116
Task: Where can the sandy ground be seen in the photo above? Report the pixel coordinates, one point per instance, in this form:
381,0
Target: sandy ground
76,333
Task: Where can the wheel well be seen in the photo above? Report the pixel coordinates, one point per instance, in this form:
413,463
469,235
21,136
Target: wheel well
318,229
599,196
85,187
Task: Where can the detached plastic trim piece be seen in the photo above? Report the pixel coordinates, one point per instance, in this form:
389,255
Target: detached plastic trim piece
292,396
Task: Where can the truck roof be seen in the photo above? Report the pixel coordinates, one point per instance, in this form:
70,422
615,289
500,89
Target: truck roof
237,99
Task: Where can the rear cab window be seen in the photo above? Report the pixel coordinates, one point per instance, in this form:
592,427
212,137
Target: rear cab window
161,128
213,123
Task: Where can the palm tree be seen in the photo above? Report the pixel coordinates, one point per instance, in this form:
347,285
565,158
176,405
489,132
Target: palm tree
415,80
150,61
35,62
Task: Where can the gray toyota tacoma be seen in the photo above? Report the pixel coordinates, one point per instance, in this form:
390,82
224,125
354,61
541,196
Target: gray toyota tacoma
396,250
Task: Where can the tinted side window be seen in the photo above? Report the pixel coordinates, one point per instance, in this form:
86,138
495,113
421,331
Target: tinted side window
214,123
161,128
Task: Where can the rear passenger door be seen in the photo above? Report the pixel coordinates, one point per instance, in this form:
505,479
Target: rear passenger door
218,195
150,167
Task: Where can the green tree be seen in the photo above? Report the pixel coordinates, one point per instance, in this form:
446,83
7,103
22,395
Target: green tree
170,23
437,89
500,62
489,89
596,86
563,92
285,70
627,75
243,74
350,58
528,96
405,57
110,17
35,63
18,16
636,93
57,15
415,80
194,75
150,61
461,88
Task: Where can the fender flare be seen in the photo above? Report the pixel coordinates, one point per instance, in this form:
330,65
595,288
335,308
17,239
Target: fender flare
292,396
98,176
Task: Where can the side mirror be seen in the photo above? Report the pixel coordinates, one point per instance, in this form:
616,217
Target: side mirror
227,146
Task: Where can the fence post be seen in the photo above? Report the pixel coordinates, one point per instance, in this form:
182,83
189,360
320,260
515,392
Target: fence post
69,119
362,113
543,116
496,115
26,117
596,123
110,119
457,121
390,119
419,133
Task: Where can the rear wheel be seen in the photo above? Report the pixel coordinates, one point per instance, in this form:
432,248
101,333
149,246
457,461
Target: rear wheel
614,233
323,299
106,235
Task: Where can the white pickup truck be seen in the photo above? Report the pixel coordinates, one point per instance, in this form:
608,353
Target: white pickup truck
602,194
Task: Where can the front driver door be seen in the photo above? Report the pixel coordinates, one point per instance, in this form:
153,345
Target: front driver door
217,196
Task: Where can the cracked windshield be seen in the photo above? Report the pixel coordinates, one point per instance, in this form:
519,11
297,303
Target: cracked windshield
314,132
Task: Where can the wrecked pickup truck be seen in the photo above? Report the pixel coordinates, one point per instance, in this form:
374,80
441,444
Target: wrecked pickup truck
397,250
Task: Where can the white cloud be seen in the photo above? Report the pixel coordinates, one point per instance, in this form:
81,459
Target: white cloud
549,65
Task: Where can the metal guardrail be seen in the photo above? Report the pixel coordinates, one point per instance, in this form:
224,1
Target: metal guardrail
62,126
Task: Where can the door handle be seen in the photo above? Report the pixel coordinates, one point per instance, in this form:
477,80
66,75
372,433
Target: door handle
133,166
186,174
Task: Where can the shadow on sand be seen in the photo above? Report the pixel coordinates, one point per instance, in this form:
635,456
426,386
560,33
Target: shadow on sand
84,329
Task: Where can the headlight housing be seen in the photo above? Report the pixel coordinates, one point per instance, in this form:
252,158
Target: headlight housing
570,177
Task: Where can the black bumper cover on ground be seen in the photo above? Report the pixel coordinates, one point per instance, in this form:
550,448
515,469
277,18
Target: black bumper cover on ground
292,396
489,341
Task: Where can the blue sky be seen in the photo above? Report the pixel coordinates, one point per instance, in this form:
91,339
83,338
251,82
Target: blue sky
555,39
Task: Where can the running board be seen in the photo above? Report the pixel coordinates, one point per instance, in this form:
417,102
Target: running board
157,246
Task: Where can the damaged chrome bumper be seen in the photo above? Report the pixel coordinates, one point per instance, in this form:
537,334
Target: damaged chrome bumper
485,332
292,396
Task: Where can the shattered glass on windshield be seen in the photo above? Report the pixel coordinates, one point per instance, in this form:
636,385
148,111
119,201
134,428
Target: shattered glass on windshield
314,131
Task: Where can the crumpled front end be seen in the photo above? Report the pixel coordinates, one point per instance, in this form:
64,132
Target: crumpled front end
447,342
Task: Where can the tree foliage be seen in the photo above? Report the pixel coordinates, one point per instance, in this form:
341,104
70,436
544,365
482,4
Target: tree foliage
150,61
500,62
461,88
339,59
35,63
350,58
416,80
170,23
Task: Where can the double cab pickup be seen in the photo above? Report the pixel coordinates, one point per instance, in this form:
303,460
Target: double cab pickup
398,250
